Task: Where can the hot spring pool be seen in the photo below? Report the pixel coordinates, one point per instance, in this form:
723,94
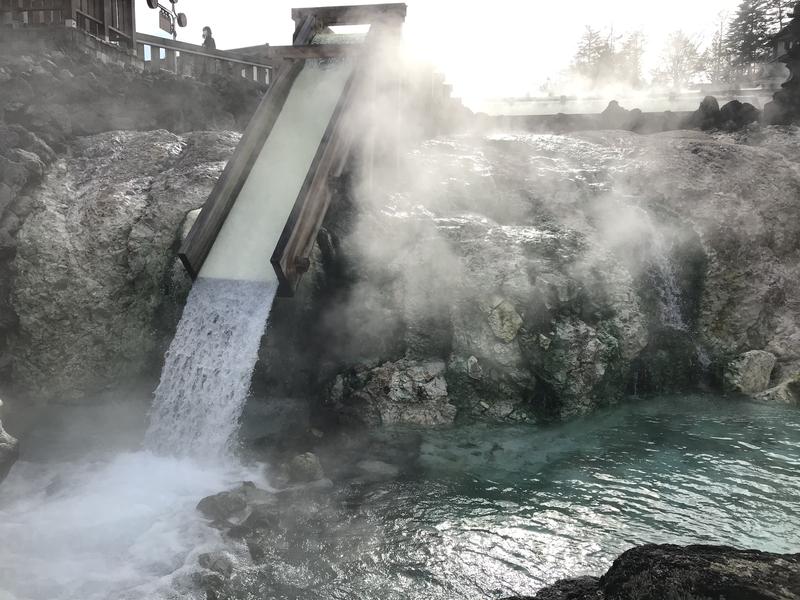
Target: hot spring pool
476,511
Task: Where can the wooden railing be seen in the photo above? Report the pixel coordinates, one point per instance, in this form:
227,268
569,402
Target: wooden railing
110,21
15,13
191,60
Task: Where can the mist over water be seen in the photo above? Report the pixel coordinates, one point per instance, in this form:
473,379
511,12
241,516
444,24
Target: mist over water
207,370
84,515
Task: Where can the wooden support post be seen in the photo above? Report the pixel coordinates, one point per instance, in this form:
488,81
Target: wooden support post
170,61
155,59
106,19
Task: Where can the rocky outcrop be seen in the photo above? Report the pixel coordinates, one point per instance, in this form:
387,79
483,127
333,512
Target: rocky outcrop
733,116
400,393
97,289
787,392
554,273
60,95
690,573
750,373
9,450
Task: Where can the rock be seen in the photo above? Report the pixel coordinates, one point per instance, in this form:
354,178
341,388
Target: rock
614,116
787,392
504,320
707,116
750,373
9,452
400,393
262,516
222,506
117,300
219,562
690,573
474,369
304,468
736,115
188,223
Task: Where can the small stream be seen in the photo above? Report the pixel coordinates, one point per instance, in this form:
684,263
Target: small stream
474,512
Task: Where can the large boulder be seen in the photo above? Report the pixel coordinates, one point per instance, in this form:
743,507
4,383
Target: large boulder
102,238
750,373
690,572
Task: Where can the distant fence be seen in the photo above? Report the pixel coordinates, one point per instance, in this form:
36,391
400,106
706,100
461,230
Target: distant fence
188,59
108,20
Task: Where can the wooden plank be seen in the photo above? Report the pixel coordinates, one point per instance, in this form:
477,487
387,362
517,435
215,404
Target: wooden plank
304,30
309,52
352,15
291,255
198,243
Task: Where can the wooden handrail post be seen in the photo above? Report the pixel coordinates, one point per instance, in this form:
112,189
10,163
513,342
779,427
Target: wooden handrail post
106,19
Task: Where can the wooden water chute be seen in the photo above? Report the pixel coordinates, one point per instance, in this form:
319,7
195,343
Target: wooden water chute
290,255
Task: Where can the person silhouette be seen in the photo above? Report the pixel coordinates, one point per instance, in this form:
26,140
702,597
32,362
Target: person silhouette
208,40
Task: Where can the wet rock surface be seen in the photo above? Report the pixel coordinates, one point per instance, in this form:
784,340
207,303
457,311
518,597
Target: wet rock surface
91,221
553,274
101,239
9,452
750,373
690,573
401,393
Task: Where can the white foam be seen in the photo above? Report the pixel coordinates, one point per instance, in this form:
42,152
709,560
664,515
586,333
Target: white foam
206,376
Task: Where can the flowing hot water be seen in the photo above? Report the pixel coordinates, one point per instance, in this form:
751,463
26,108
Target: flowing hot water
207,370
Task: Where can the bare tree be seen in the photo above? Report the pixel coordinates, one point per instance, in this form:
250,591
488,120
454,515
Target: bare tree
680,60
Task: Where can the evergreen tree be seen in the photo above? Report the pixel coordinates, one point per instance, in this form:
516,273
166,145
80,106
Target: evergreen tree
748,35
629,59
777,12
595,58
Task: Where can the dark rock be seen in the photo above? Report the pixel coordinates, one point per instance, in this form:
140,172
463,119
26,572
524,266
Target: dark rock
221,506
262,516
736,115
581,588
219,562
614,116
669,572
701,572
304,468
707,116
400,393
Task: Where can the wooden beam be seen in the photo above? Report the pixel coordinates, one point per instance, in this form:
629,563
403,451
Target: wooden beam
198,243
351,15
307,52
291,256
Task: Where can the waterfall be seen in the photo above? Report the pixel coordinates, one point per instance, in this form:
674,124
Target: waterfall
208,368
666,283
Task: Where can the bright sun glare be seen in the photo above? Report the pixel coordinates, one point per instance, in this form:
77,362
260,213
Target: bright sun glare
485,49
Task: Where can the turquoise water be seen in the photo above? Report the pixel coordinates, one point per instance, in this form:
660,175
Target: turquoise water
520,507
475,512
490,511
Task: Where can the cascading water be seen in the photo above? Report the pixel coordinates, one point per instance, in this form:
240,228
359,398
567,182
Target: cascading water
665,283
207,370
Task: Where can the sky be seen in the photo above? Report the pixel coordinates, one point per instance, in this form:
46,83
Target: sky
486,49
